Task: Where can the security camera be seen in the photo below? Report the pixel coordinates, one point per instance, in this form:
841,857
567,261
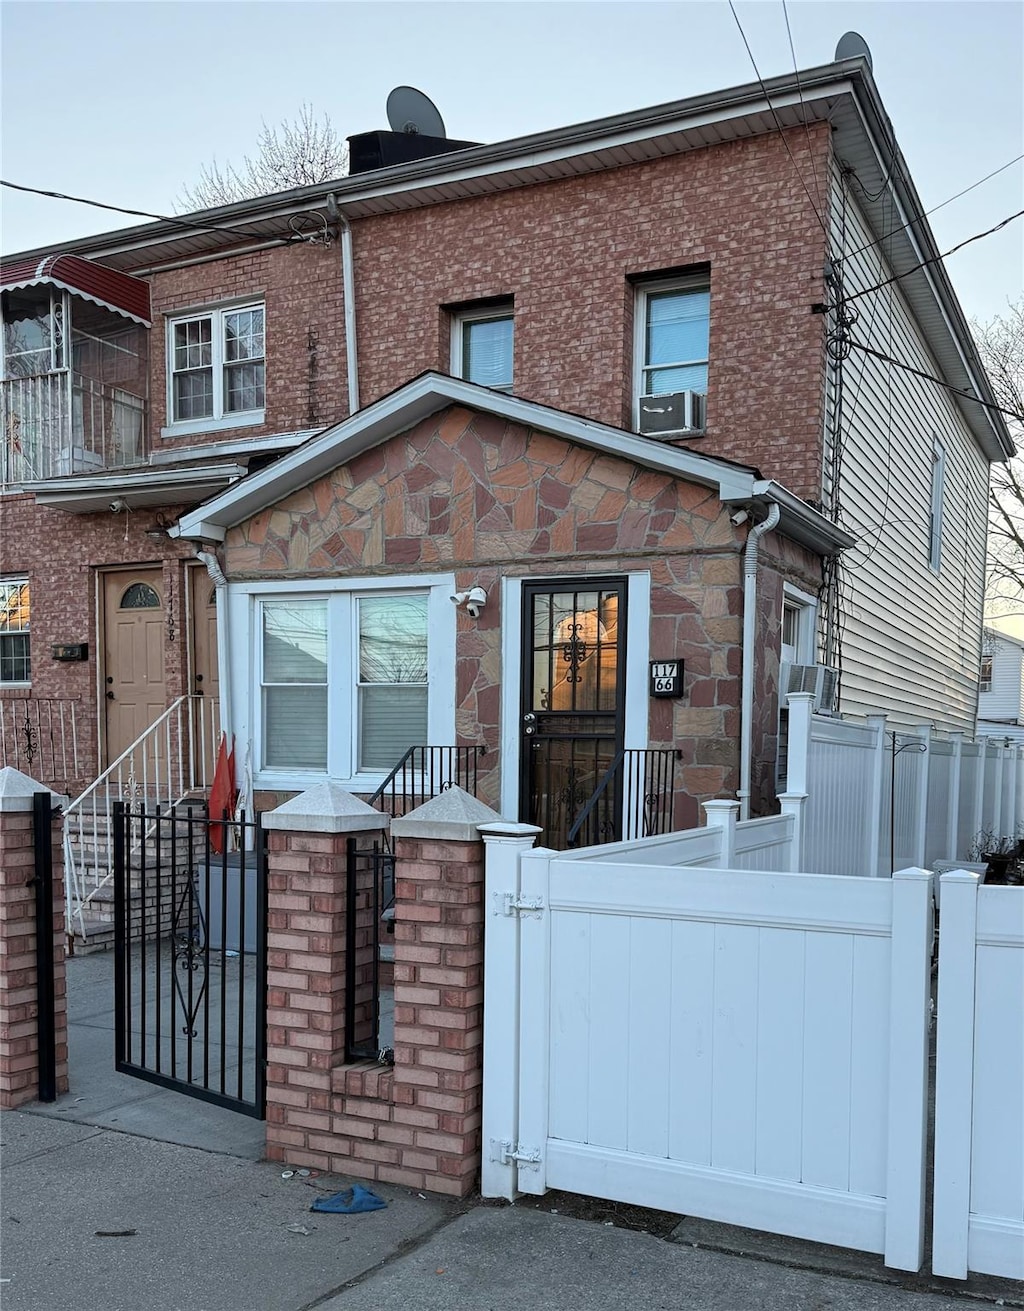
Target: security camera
476,599
740,516
117,506
459,598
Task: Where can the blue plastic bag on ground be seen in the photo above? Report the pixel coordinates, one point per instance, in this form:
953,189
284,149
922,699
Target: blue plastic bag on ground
350,1201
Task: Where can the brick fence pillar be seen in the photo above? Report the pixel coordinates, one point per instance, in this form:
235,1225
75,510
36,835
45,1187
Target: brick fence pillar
306,951
19,982
439,955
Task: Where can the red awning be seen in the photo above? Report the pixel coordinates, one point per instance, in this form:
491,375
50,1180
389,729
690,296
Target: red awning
116,291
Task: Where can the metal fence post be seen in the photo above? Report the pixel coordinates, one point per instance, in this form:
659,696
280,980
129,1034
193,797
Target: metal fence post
873,828
46,1021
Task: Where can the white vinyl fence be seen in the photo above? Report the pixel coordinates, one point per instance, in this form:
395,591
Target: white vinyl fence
666,1028
872,799
741,1045
979,1096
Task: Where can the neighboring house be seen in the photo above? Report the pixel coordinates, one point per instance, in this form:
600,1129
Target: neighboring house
1001,687
603,373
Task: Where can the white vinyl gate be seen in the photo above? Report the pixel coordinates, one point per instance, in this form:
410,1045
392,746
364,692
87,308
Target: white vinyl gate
743,1046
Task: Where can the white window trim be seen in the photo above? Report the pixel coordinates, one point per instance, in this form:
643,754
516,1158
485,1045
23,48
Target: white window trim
218,421
18,580
806,648
244,615
936,498
461,319
637,709
689,282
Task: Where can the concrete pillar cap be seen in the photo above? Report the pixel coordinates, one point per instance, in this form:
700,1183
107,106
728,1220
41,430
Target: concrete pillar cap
453,815
18,789
326,808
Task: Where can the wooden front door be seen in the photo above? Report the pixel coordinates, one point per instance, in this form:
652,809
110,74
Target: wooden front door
571,719
204,672
135,684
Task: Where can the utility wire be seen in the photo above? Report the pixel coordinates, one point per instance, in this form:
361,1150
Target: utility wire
775,116
803,108
934,259
139,213
910,222
930,377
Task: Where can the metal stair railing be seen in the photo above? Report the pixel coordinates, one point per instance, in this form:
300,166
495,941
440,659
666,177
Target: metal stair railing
174,756
639,785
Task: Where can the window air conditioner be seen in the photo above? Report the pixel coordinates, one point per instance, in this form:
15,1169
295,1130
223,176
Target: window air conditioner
667,416
821,681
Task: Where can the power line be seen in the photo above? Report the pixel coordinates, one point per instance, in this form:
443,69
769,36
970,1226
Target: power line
803,108
934,209
781,131
934,259
138,213
930,377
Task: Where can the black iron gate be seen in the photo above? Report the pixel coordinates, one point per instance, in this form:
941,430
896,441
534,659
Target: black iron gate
190,962
370,907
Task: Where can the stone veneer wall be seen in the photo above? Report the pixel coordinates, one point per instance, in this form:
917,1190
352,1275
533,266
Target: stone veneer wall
484,497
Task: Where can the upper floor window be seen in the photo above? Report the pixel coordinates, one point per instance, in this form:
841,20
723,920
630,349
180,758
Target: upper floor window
671,366
482,347
216,368
15,664
985,681
935,504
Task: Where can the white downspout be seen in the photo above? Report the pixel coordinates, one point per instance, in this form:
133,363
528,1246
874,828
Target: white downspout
749,635
220,583
348,292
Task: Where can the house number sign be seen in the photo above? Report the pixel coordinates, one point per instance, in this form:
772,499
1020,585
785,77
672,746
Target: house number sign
666,678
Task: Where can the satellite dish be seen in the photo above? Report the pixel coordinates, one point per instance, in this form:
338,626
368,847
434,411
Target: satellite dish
853,46
411,111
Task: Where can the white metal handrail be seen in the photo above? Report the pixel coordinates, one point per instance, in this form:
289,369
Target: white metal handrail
173,757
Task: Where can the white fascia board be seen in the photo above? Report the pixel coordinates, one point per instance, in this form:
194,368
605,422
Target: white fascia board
146,489
422,397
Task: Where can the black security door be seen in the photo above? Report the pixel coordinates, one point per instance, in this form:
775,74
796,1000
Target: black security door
571,717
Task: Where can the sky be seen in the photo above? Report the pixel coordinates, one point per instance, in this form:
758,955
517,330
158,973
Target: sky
124,101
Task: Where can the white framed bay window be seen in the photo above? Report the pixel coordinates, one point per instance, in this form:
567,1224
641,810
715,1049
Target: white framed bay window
344,678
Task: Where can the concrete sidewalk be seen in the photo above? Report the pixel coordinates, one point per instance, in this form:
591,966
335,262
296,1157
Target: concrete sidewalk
97,1220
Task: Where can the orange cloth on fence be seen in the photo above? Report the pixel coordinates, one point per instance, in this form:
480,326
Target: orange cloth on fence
223,795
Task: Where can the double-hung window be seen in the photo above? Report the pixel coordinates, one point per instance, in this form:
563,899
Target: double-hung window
15,655
672,328
482,347
349,680
216,368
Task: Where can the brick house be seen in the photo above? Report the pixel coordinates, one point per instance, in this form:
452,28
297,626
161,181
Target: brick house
605,374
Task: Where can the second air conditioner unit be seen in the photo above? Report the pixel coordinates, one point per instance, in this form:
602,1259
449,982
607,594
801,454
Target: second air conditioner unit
820,680
672,415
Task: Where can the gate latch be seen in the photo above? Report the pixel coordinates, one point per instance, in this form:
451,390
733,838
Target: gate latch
514,905
513,1154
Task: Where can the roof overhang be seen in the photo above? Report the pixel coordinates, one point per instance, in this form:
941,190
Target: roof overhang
113,290
139,489
842,94
431,393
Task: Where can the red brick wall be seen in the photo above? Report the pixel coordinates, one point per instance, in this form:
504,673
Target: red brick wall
60,553
19,992
566,251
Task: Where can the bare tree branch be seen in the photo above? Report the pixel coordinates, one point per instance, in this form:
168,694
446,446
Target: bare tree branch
296,153
1001,344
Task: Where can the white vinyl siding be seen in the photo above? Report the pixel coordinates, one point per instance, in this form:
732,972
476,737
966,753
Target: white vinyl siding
911,633
1005,699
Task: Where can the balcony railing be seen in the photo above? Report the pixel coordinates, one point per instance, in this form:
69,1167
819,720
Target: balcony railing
56,424
39,736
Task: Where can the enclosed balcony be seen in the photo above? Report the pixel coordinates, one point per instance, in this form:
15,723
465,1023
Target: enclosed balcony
73,393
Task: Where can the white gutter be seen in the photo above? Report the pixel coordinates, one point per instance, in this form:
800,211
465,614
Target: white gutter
749,635
220,584
348,291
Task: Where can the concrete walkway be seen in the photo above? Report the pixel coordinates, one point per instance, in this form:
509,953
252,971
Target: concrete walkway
123,1197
